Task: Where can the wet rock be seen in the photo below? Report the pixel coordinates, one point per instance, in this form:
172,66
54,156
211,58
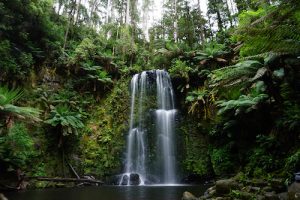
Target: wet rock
210,192
278,185
225,186
260,197
89,177
188,196
2,197
267,189
259,183
134,179
271,196
283,196
251,189
125,180
294,191
297,177
254,189
244,195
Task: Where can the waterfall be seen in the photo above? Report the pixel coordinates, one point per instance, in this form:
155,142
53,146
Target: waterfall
150,155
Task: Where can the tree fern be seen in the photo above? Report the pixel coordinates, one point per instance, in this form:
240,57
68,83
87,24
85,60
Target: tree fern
272,29
240,73
201,102
245,103
69,121
8,97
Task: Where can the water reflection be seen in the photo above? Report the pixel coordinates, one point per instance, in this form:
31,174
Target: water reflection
109,193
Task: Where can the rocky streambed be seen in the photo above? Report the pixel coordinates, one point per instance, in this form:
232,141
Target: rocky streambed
236,189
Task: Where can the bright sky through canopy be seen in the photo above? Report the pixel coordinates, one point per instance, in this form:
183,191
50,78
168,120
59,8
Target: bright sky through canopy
158,8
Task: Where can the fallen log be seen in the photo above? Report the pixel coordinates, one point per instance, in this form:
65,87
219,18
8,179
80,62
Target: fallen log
80,180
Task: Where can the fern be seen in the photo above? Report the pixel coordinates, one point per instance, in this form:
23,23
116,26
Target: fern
201,102
272,29
240,73
245,103
62,116
8,97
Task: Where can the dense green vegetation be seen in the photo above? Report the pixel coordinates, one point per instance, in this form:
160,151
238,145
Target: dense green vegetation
65,71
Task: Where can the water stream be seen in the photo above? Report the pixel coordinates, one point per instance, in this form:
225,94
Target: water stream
150,155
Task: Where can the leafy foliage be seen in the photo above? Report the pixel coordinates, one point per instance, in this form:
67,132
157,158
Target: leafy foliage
8,97
17,147
180,69
261,158
221,160
69,121
201,101
241,73
293,162
74,64
268,29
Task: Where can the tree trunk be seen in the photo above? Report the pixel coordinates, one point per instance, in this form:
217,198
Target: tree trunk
66,179
210,27
77,12
219,19
107,11
175,22
228,14
202,37
71,16
127,12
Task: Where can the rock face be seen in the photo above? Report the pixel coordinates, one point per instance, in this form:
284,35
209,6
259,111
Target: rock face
188,196
294,191
125,180
225,186
134,179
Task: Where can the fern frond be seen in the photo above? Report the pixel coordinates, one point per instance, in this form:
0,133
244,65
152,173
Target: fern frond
234,75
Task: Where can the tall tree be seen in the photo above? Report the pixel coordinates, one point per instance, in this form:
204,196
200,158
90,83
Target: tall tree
201,26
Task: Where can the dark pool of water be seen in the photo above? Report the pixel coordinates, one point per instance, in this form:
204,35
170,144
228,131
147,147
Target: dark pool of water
109,193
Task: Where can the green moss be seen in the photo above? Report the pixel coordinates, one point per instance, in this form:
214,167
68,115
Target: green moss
196,159
103,142
222,160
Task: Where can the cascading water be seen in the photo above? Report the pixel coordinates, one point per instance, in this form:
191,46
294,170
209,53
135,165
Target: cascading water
141,166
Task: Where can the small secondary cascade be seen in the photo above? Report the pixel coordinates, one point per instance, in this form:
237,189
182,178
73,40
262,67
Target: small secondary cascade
150,155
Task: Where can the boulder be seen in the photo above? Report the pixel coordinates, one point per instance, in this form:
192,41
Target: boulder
259,183
210,192
2,197
254,189
188,196
278,185
271,196
260,197
225,186
294,191
245,195
267,189
125,180
134,179
283,196
297,177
